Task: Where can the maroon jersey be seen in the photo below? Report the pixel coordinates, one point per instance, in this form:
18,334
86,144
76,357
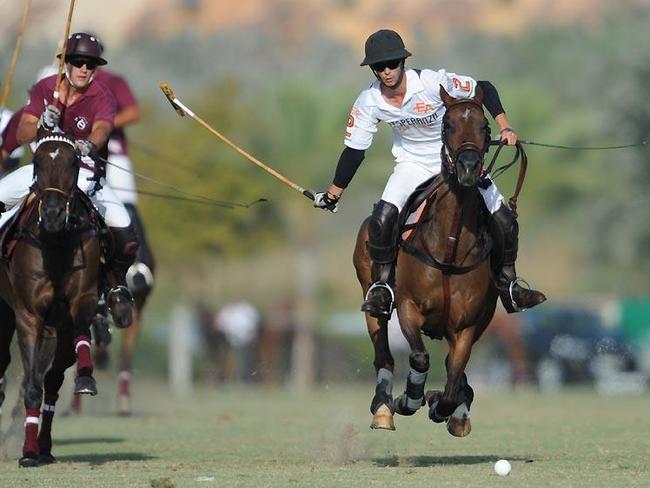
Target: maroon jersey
9,142
125,98
96,103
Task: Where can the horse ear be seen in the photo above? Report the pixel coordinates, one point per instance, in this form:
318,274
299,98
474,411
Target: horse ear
447,99
478,95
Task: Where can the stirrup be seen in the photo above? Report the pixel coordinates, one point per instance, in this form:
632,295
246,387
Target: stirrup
381,284
514,282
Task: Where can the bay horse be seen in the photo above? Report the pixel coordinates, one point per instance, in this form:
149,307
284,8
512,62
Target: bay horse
49,279
443,282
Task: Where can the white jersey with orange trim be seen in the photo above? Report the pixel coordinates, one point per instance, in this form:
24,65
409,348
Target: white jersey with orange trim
417,130
416,125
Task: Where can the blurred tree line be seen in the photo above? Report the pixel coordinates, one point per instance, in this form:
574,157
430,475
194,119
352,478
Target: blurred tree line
287,104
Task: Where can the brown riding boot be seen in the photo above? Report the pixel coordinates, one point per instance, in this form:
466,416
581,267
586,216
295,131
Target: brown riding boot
382,247
514,297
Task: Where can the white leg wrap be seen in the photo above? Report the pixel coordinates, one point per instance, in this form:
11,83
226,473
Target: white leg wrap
48,408
32,420
461,412
384,375
79,344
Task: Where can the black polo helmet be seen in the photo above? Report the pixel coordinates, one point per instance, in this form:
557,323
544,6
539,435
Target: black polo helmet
87,45
384,45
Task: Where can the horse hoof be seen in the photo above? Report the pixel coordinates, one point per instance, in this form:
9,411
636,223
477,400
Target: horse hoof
46,458
121,305
383,419
28,461
85,385
459,424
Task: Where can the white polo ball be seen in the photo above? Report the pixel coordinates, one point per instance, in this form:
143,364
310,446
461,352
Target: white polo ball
502,467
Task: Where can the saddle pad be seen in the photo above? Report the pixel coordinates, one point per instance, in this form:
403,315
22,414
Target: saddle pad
412,220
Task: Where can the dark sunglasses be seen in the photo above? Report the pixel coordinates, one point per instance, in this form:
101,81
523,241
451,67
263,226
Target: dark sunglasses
79,62
381,66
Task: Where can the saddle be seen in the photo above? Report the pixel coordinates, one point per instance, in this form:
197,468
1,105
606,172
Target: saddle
410,217
415,205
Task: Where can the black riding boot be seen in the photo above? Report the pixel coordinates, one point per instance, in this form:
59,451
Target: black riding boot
506,232
119,299
382,246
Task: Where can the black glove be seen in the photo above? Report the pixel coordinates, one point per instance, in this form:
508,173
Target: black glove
326,201
49,118
84,147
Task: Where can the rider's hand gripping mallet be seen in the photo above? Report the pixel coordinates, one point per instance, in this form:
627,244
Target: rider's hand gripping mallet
182,110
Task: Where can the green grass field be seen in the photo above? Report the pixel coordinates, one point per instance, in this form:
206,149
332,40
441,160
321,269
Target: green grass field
268,437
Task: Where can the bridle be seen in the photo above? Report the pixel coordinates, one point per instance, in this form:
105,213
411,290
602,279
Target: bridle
41,192
449,154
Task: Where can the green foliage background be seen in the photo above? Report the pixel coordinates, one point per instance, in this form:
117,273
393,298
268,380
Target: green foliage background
583,213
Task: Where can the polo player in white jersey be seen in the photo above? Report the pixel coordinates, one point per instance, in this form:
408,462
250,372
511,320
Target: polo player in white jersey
409,101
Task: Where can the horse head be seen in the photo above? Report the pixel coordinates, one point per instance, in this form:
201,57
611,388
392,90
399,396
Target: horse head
56,168
465,137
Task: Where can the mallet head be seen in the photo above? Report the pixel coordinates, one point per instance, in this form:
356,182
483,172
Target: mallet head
169,93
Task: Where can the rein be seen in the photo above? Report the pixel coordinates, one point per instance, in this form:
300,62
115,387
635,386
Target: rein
520,155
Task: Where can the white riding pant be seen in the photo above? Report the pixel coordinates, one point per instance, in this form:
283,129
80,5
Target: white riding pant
14,187
407,176
120,178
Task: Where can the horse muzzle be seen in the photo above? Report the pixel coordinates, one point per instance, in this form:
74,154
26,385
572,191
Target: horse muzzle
468,168
53,212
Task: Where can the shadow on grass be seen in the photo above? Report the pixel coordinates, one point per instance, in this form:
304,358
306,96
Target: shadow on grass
88,440
109,457
428,461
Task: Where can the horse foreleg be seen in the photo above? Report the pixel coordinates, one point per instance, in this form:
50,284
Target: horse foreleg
454,403
37,352
129,338
381,405
412,399
63,359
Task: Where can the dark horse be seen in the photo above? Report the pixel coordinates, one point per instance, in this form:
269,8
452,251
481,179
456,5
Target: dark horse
140,279
49,279
443,280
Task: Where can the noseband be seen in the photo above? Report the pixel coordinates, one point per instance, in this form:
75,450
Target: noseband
449,155
68,201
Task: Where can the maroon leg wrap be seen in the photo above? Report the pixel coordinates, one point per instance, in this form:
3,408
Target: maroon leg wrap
30,447
84,360
45,434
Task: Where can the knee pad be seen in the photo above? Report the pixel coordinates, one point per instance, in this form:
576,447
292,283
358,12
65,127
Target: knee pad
382,232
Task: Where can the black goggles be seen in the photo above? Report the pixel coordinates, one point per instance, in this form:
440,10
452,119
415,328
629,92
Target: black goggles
382,65
78,62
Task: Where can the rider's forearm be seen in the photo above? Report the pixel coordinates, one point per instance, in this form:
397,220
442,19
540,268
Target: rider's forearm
127,116
27,129
347,166
503,122
101,131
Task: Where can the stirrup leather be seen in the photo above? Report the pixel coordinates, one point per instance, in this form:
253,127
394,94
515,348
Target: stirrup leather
514,282
381,284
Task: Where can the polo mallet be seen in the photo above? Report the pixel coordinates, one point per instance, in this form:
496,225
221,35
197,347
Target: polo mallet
182,110
59,73
14,59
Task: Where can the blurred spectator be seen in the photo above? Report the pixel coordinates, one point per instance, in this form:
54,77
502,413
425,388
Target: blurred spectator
239,322
508,330
276,343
